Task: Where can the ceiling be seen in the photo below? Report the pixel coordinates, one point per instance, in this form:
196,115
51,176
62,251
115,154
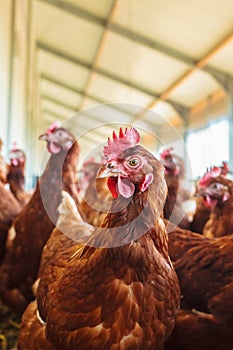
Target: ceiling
129,61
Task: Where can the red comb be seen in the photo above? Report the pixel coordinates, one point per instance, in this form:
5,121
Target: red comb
166,153
224,168
53,127
118,144
14,147
213,172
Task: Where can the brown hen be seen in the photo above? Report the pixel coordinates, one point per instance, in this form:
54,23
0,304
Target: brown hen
9,209
199,331
3,165
31,229
203,210
16,176
96,200
120,291
217,193
205,271
174,173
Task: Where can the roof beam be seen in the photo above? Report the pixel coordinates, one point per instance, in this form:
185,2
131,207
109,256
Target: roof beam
115,28
199,65
223,79
62,84
183,111
56,52
76,11
77,61
58,102
77,91
99,52
52,113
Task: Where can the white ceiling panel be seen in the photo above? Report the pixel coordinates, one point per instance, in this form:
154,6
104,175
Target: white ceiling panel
69,73
140,64
223,60
110,91
161,114
66,32
89,103
98,8
109,113
199,86
59,93
78,69
56,108
166,112
193,27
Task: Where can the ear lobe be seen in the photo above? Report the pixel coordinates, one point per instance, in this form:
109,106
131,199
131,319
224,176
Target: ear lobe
68,145
148,178
226,196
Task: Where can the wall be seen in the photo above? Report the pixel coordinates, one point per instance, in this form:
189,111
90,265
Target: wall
5,43
18,88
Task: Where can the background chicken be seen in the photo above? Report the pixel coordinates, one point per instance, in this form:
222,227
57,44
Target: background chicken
205,271
63,236
31,229
202,211
3,165
217,193
195,330
9,207
174,174
16,176
96,198
120,290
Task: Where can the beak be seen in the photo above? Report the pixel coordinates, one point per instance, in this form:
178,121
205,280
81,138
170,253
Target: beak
196,193
105,172
199,192
44,137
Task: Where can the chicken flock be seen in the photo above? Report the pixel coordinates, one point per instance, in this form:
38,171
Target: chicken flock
122,266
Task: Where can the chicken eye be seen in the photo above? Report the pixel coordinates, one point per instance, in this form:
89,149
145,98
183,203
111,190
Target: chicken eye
133,162
217,185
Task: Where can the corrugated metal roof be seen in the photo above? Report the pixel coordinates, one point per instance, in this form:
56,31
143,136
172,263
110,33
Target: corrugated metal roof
144,54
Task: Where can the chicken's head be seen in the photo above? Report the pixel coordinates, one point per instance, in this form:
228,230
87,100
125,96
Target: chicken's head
130,168
58,138
88,171
215,188
224,168
173,164
17,156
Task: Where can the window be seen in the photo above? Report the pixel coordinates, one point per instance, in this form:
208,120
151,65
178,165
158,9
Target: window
208,147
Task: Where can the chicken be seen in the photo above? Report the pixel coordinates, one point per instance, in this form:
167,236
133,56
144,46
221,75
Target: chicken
119,291
195,330
217,193
31,229
205,271
9,209
96,199
174,172
200,216
225,170
3,165
63,236
16,176
202,211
